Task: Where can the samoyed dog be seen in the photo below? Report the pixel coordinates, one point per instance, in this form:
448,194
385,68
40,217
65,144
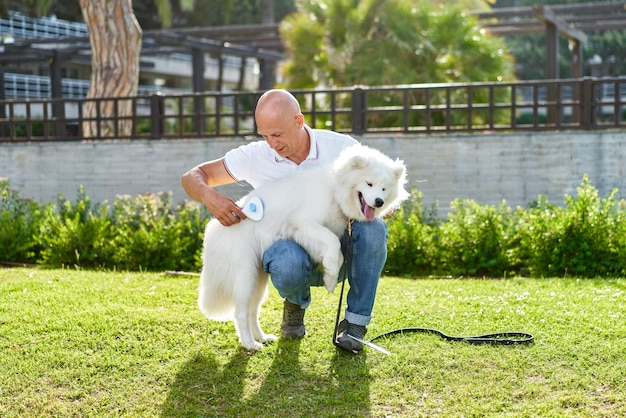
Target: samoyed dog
311,208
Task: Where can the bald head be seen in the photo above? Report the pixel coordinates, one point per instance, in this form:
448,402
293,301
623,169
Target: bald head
280,122
277,102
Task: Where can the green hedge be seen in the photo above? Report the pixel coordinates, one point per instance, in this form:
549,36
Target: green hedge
140,233
20,221
583,237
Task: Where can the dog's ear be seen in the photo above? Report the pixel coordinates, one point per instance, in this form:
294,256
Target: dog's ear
399,170
357,162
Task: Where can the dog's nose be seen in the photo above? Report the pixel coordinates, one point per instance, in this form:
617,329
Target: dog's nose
379,202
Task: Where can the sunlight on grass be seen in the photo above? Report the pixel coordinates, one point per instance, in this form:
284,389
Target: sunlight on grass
135,344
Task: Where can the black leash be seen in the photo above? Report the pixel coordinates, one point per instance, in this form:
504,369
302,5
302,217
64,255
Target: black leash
343,284
498,338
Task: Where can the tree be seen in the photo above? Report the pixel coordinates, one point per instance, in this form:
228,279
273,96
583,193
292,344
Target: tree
379,42
232,12
30,7
115,39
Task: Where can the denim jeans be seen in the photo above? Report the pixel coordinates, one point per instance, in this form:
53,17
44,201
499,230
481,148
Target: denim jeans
293,272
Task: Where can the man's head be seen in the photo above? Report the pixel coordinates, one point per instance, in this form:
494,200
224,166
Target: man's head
279,120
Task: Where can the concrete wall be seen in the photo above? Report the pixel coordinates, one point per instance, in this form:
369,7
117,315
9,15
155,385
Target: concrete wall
488,168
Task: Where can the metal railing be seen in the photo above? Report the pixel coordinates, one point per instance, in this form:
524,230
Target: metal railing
569,104
39,87
22,26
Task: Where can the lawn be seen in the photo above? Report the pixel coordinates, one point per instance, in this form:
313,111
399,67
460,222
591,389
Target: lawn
81,343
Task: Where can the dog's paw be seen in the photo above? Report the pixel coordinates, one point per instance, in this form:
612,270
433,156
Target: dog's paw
259,335
330,282
254,345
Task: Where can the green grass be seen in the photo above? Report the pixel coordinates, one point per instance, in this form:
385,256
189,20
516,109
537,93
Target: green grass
78,343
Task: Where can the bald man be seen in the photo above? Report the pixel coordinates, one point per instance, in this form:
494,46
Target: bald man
289,146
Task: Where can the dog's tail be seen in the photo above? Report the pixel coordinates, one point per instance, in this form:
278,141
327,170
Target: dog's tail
213,302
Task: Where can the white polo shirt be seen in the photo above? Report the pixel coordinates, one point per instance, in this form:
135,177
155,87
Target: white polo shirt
257,163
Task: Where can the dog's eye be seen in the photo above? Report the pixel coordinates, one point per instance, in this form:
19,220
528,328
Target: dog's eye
368,183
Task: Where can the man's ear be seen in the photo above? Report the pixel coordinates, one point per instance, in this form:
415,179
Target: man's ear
300,120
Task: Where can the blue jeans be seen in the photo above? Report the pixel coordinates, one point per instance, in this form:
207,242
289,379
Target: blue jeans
293,272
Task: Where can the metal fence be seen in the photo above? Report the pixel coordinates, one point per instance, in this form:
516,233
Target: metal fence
568,104
21,26
22,86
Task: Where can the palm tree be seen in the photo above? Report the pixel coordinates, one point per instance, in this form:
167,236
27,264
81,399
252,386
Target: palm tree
388,42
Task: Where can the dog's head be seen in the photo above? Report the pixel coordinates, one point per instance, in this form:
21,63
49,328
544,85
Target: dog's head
369,183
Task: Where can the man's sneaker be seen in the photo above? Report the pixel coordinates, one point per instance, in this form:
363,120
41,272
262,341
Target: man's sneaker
345,329
293,321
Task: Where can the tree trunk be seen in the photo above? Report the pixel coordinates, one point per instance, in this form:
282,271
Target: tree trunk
115,38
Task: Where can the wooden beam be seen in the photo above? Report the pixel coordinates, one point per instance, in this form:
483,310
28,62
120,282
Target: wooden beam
546,15
590,8
221,47
197,73
552,51
55,68
583,17
217,31
604,8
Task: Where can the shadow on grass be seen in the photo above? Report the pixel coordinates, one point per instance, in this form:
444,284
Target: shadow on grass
203,387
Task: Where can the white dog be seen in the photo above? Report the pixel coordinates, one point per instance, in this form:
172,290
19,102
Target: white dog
312,208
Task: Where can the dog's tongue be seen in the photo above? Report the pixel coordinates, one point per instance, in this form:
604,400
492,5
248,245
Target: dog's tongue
369,212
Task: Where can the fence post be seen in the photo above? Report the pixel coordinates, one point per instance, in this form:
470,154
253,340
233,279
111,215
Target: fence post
58,105
4,128
586,103
157,115
358,111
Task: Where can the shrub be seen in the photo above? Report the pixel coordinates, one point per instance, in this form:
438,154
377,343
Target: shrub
150,235
410,250
78,235
527,118
585,238
473,241
140,233
20,222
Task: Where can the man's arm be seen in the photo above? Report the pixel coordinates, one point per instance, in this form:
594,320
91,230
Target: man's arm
199,183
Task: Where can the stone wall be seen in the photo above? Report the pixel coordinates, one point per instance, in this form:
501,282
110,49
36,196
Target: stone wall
488,168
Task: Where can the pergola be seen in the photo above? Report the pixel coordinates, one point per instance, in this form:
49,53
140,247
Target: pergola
194,41
261,42
570,21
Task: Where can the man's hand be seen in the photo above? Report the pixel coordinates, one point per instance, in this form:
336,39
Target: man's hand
224,210
199,183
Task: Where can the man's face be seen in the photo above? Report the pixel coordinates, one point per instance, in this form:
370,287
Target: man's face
280,132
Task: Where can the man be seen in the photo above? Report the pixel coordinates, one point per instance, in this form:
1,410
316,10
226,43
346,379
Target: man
290,146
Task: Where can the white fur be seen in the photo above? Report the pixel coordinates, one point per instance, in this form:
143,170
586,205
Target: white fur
312,208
